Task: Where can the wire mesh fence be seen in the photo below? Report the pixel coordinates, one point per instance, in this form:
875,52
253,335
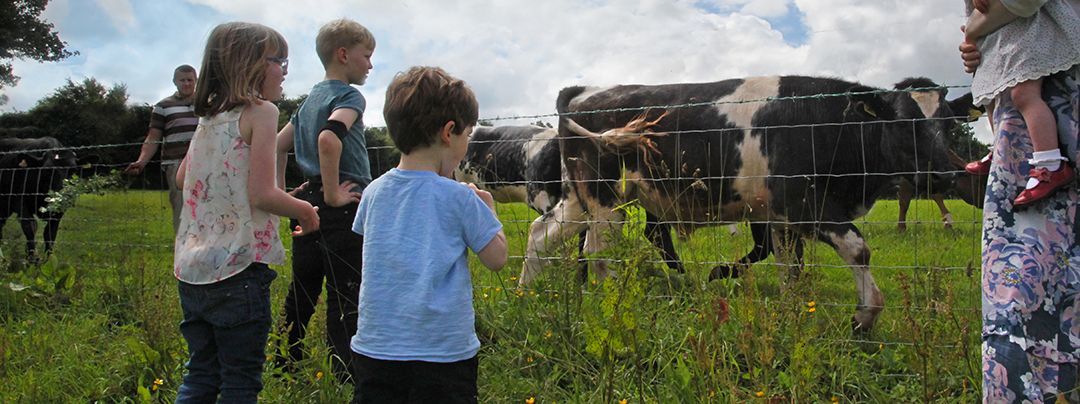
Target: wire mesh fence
924,272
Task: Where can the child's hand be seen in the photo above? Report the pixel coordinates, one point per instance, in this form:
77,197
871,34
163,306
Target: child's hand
981,5
309,222
969,52
344,196
484,195
297,190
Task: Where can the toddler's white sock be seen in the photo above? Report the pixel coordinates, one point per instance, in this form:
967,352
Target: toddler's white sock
1049,159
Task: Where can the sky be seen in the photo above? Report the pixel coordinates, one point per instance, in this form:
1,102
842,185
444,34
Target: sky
516,54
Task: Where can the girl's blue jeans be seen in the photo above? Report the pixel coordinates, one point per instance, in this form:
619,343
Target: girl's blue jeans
226,325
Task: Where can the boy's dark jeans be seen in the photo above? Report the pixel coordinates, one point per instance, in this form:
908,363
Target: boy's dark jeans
334,253
226,325
381,381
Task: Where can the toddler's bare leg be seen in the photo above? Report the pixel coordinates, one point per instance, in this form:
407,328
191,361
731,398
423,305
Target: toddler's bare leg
1042,126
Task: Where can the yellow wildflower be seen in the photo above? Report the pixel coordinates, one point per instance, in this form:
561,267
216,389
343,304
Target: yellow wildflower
623,401
157,383
498,289
530,400
529,359
513,279
318,375
811,303
760,394
547,334
835,399
811,310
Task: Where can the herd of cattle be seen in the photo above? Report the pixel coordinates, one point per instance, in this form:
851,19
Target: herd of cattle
796,157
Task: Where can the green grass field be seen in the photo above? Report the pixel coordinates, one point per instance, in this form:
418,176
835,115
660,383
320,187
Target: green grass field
98,321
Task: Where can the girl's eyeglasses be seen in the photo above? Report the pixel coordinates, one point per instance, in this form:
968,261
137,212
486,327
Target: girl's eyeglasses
283,62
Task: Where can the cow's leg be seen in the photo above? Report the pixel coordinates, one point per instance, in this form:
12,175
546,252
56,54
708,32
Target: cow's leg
660,235
850,245
604,223
946,217
48,234
904,193
29,228
549,231
583,264
759,231
787,246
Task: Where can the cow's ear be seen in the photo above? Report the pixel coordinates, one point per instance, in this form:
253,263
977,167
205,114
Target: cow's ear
35,159
964,106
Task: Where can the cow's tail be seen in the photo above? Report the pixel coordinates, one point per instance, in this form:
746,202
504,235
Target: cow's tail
636,135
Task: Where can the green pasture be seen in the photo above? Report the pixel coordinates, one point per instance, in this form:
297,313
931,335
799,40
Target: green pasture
97,322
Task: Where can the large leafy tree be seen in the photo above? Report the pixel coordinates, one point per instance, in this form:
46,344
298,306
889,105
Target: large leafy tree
24,35
87,113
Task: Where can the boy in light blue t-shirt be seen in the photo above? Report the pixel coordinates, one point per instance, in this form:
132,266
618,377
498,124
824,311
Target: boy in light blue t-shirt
415,340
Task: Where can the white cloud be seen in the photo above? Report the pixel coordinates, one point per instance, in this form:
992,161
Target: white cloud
517,58
119,12
766,8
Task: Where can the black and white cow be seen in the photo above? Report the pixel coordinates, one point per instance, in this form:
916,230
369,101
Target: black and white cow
523,164
806,154
29,169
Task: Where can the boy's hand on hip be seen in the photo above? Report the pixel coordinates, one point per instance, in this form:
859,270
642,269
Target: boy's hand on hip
343,196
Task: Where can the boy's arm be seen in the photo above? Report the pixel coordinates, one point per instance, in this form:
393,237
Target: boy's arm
284,145
493,255
330,157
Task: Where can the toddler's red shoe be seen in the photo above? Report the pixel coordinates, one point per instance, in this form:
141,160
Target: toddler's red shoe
980,167
1049,181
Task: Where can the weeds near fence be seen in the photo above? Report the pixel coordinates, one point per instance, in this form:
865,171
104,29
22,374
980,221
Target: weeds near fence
108,332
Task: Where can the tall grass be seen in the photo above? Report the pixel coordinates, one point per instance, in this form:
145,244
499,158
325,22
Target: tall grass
98,321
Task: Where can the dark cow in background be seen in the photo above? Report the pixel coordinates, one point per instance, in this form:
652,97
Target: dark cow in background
29,169
806,154
969,188
523,164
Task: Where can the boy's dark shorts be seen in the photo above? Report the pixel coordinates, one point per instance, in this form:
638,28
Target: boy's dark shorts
382,381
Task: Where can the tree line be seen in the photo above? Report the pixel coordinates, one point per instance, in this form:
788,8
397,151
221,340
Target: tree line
101,123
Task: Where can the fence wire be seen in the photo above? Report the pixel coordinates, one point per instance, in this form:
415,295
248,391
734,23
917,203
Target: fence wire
27,184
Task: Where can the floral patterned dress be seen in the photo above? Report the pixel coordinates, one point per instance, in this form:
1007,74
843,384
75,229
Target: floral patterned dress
220,233
1031,262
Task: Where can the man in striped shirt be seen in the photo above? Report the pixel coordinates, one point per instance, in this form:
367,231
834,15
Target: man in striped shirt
174,120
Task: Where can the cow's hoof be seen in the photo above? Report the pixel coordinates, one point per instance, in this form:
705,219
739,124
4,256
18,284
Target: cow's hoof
902,227
859,330
723,272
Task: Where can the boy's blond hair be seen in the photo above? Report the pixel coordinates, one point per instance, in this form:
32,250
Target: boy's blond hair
341,33
423,99
234,65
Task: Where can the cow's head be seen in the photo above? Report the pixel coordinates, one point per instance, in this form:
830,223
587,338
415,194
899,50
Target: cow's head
49,167
916,138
